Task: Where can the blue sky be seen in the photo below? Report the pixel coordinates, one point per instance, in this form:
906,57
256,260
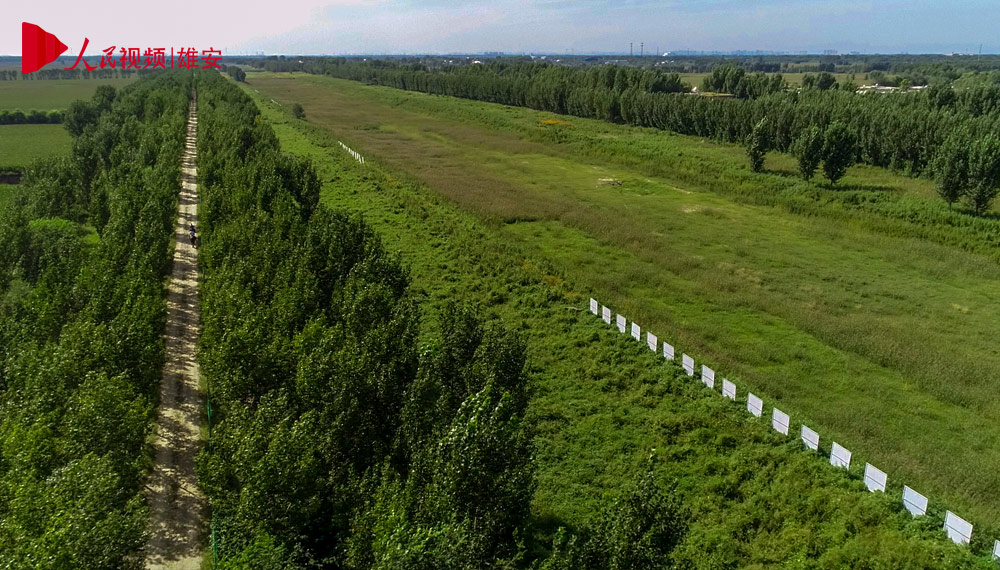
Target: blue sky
442,26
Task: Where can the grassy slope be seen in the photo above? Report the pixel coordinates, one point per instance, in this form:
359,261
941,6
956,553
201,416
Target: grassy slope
884,343
45,95
21,144
604,402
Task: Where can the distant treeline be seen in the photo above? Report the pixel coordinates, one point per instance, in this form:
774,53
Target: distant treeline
900,131
18,117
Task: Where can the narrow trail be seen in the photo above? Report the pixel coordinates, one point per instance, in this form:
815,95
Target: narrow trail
177,507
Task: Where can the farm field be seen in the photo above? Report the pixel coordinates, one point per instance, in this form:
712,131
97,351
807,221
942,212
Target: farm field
21,144
855,325
50,94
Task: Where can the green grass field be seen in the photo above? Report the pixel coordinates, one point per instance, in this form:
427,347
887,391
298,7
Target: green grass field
21,144
603,403
863,325
45,95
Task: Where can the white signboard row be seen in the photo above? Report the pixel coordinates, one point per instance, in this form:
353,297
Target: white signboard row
875,478
959,530
810,438
840,456
688,363
728,389
357,156
914,502
780,421
708,376
996,550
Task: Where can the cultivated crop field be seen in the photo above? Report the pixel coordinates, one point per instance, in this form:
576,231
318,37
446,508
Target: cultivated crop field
21,144
49,94
830,303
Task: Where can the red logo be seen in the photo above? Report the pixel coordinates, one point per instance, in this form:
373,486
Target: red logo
38,47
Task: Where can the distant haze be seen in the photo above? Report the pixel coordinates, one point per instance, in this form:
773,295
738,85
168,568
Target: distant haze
550,26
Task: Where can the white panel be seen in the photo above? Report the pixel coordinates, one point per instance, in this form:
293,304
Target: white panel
840,456
875,478
668,351
810,438
688,363
996,550
914,502
708,376
594,306
621,323
728,389
651,341
636,332
780,421
606,314
959,530
755,405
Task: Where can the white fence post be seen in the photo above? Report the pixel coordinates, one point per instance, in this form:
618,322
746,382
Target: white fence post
728,389
810,438
708,376
840,456
688,363
959,530
914,502
780,421
668,351
875,478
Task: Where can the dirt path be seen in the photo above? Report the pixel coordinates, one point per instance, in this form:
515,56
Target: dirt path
177,507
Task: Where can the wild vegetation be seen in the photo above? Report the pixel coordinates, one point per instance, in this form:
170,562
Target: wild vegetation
765,276
901,132
718,490
84,248
345,436
451,406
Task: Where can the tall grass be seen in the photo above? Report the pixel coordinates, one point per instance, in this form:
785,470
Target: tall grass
605,402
